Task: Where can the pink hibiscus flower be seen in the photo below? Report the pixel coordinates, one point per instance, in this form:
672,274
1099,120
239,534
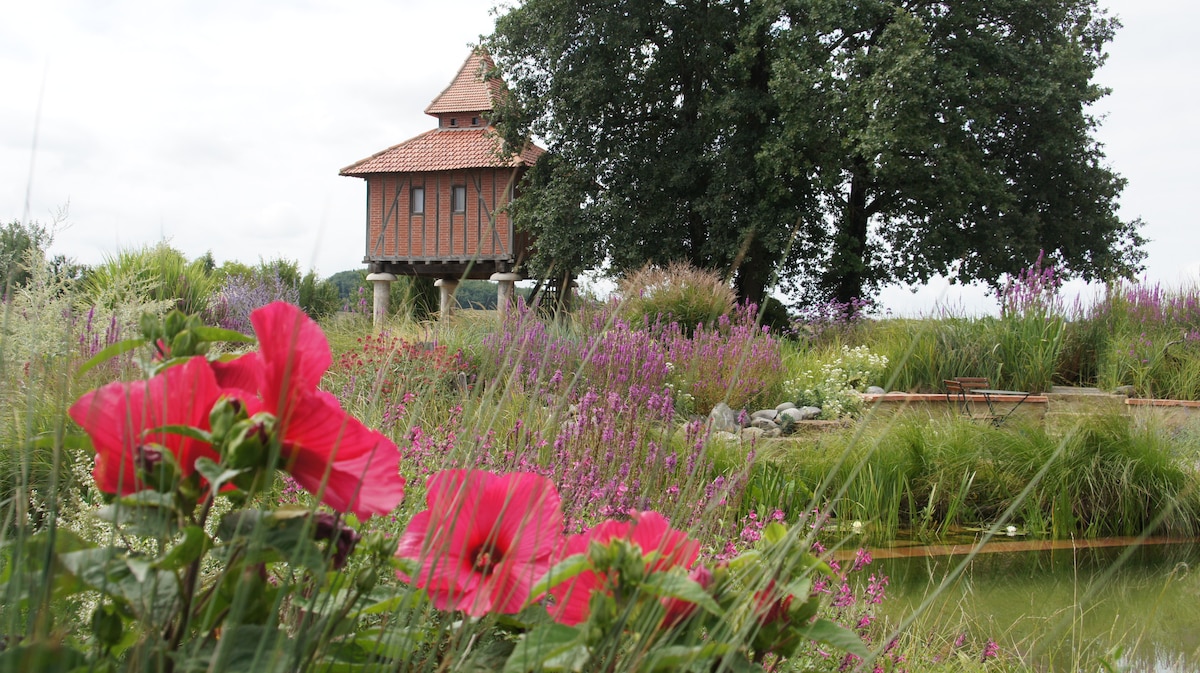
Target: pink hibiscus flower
326,450
648,530
484,540
120,418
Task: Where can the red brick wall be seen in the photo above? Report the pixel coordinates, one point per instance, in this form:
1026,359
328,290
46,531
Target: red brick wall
394,231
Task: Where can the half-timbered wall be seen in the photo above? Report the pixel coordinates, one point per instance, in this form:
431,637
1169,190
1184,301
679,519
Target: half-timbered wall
479,232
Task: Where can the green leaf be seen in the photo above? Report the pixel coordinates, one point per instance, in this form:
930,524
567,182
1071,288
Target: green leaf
774,532
25,572
214,474
245,648
184,431
110,352
43,657
545,643
149,498
266,537
392,643
829,633
193,545
152,594
676,657
220,334
745,559
559,573
678,585
325,603
147,520
804,604
69,440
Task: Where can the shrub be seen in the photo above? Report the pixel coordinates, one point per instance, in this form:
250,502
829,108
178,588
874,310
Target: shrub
319,298
679,293
734,361
837,388
150,274
241,294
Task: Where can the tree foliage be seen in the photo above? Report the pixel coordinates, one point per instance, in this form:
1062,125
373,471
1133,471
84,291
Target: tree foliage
840,145
17,241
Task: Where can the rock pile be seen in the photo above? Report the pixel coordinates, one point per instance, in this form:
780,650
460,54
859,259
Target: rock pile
732,425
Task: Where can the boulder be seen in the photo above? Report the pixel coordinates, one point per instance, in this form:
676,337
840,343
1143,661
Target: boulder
769,414
875,390
725,437
785,405
723,419
801,414
764,424
751,434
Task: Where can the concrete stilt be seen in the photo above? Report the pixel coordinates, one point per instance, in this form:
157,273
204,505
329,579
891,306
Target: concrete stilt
382,283
506,284
447,286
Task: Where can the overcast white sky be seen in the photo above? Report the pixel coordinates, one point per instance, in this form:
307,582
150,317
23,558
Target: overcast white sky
221,125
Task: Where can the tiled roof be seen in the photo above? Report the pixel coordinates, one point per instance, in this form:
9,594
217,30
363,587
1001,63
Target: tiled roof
469,92
443,150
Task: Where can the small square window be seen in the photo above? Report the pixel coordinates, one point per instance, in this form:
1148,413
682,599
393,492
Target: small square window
474,121
418,201
458,198
454,121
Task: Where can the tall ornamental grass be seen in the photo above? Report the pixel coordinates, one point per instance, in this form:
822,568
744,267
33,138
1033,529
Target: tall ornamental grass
1107,477
678,293
1139,335
159,273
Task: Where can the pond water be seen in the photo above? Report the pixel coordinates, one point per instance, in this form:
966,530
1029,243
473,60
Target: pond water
1059,609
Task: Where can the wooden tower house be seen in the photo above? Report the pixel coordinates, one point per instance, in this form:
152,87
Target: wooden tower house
435,203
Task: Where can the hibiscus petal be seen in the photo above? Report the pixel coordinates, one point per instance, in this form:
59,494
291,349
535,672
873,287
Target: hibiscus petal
110,416
294,351
572,598
530,517
118,416
242,373
331,453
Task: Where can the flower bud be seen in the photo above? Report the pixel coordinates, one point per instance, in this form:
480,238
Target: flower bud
148,457
366,579
156,467
341,537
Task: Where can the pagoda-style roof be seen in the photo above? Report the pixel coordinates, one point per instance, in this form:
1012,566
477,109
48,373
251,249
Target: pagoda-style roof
451,147
472,89
444,150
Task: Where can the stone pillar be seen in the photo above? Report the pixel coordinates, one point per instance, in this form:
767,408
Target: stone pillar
383,290
506,289
447,286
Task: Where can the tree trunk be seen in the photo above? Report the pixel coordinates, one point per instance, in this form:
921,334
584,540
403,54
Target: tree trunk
849,265
754,273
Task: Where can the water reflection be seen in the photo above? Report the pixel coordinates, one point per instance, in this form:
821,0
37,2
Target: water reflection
1063,608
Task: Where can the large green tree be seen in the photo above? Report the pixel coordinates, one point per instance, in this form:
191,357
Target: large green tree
842,145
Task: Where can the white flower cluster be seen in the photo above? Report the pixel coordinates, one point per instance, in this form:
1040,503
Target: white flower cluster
685,402
837,388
